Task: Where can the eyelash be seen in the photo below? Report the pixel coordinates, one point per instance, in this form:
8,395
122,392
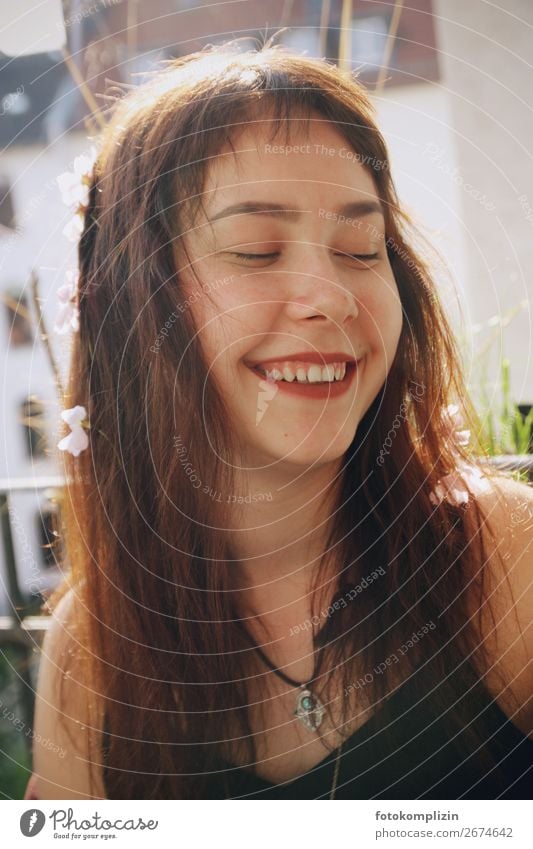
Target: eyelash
252,256
364,257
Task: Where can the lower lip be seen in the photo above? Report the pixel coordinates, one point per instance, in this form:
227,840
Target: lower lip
323,391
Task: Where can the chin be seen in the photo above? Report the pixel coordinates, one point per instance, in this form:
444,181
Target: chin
311,452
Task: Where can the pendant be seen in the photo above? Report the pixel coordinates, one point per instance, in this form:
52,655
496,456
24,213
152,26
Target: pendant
309,709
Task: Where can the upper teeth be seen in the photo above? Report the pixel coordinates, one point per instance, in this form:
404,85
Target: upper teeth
305,372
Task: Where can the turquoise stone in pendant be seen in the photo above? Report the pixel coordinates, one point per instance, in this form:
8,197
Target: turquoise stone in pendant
309,710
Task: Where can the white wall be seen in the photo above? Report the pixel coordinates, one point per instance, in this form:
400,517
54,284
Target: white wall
415,121
486,70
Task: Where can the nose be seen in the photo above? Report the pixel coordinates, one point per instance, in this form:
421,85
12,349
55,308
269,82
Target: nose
318,293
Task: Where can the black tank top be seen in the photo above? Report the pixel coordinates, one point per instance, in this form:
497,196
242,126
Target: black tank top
406,751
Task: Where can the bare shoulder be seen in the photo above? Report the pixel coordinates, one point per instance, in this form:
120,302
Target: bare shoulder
60,747
507,604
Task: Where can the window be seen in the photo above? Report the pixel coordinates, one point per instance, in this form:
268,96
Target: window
7,212
33,422
303,40
369,37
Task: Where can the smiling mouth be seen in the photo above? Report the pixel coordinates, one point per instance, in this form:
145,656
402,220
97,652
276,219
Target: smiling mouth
306,374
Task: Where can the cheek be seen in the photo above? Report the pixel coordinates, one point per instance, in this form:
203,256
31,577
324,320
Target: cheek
395,313
243,311
230,323
380,312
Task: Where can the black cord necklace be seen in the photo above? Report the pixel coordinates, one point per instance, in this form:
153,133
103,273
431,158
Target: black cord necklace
309,709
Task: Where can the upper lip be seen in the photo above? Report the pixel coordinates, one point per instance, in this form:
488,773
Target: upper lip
306,357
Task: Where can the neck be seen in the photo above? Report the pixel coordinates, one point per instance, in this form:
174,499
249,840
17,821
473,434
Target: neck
281,539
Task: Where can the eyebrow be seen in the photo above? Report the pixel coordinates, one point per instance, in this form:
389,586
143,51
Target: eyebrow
355,209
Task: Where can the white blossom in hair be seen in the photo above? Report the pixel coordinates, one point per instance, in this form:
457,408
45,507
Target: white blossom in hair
456,424
452,487
77,440
67,317
74,228
74,187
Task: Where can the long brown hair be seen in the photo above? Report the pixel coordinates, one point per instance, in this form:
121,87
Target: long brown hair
157,620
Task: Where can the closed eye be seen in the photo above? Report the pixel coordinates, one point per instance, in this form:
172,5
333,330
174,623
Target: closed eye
362,257
254,256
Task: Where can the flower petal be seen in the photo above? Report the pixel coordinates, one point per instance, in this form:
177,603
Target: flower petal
63,318
453,487
84,163
462,437
76,442
74,228
74,415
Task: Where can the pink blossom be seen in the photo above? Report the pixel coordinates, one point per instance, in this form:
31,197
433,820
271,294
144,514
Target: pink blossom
456,431
74,188
74,185
74,228
68,315
452,487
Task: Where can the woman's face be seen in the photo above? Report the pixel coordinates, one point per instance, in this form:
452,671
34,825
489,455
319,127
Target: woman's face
295,282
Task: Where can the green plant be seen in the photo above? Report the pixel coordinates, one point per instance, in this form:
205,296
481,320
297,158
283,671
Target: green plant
506,430
15,761
503,428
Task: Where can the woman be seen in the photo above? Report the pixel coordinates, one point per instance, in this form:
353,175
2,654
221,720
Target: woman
290,577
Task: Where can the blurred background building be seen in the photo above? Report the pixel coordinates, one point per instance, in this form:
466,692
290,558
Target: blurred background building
450,85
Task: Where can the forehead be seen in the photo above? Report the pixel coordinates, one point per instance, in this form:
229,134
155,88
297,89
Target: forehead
307,158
